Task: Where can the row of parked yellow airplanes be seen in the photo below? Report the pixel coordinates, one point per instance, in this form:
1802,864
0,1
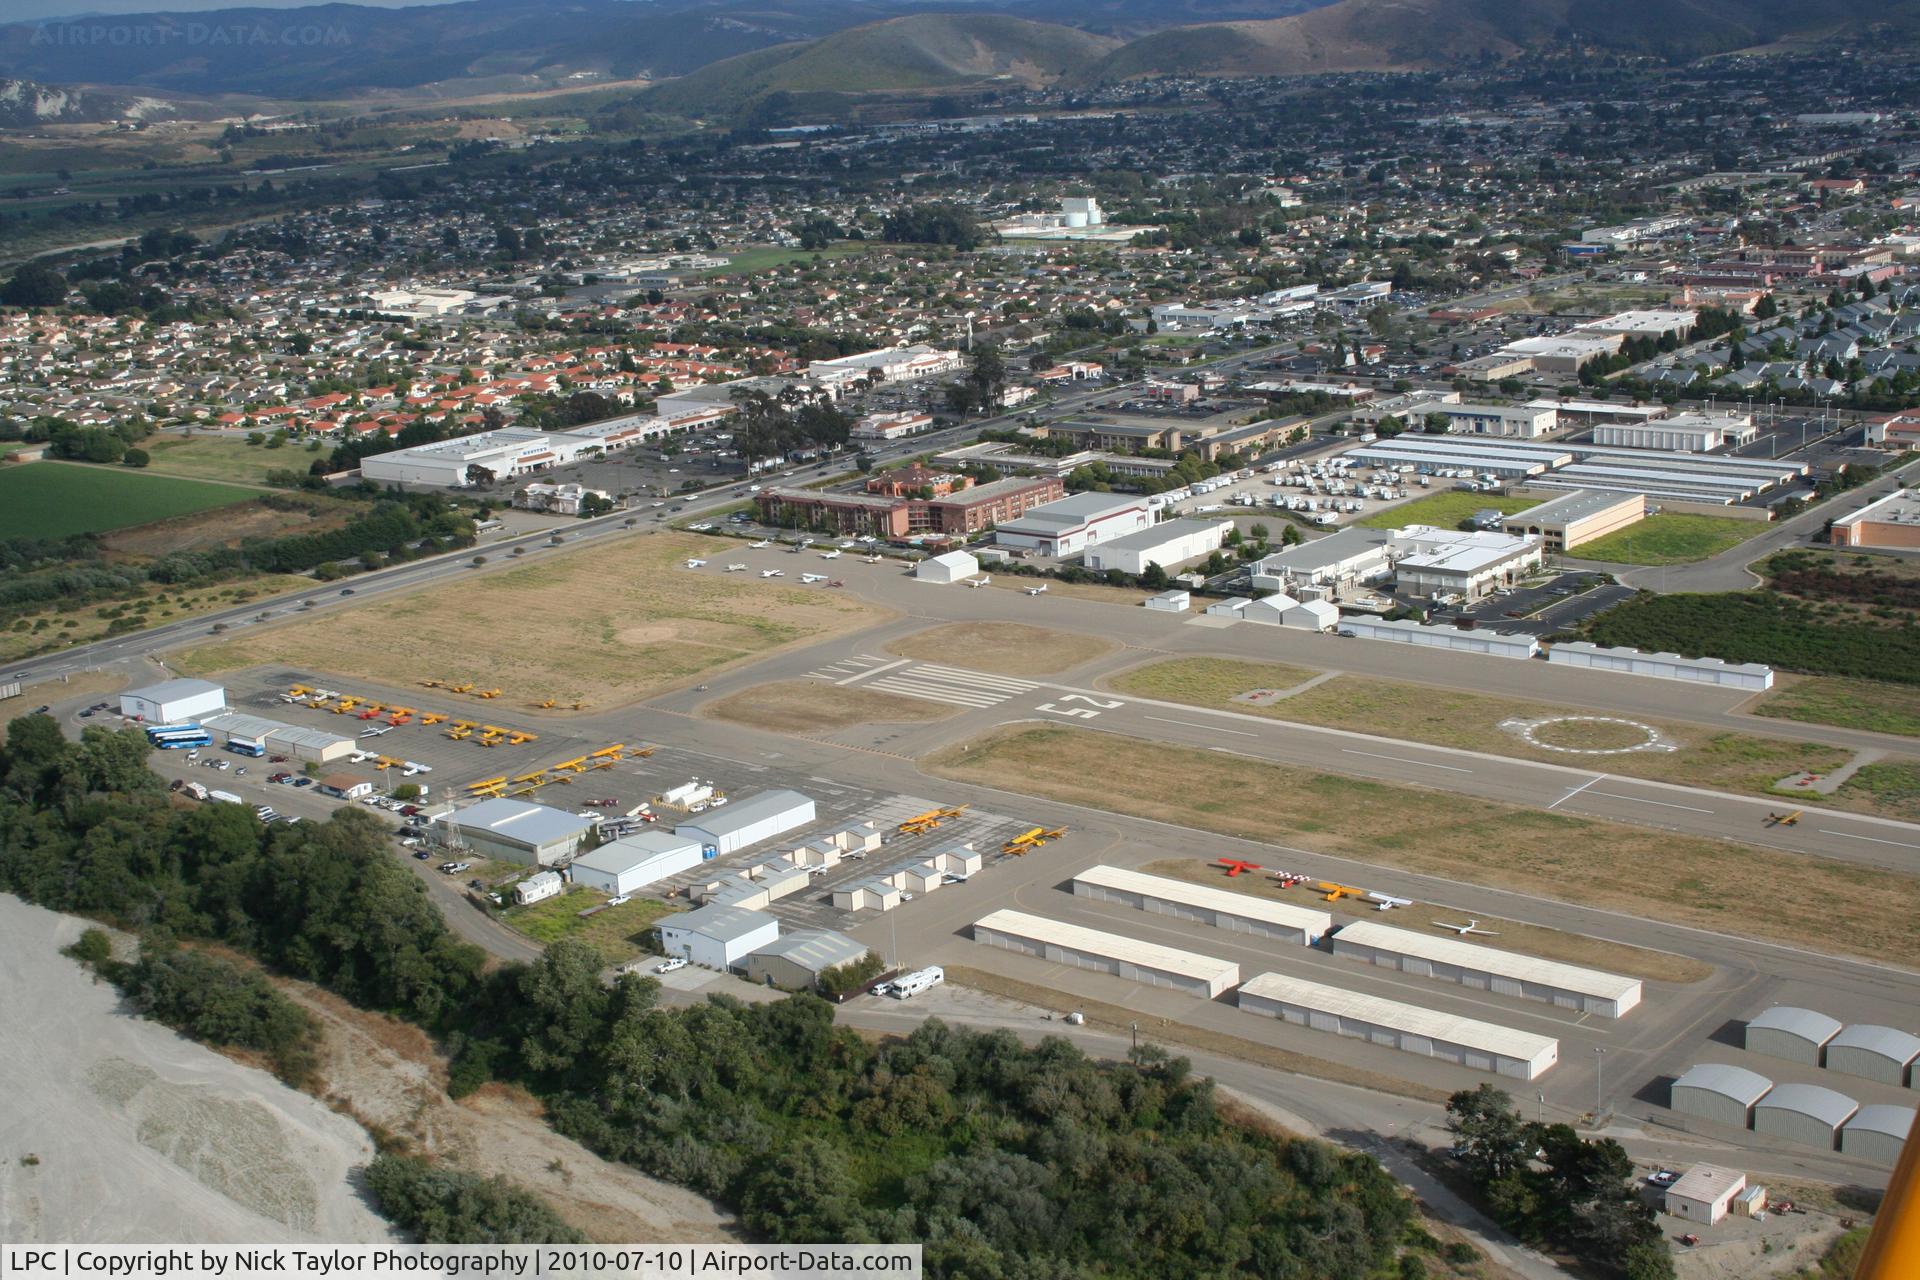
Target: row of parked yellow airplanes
1021,845
564,772
360,708
467,686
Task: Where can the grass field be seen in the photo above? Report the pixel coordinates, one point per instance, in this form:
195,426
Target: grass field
616,932
1669,539
1637,871
805,706
1454,718
749,260
1873,705
1890,787
58,499
1005,648
606,626
225,458
59,628
1445,510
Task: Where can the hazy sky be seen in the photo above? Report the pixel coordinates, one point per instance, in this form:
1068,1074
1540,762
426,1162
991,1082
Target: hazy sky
68,10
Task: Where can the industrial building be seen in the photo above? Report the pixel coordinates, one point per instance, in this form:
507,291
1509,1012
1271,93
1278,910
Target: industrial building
1484,968
1577,517
1348,556
1885,1054
1720,1093
795,961
1714,479
173,701
636,861
1704,1193
1483,1046
1406,631
1502,459
1892,522
1221,908
948,568
1124,957
717,937
748,822
1520,422
271,737
1877,1133
1169,544
1071,525
1661,666
1566,352
1436,561
1804,1113
517,831
1681,433
1797,1035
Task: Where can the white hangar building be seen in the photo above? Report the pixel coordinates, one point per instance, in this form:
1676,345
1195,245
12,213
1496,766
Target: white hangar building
1221,908
516,831
1168,544
636,861
1072,525
1720,1093
1488,969
1804,1113
1128,958
717,937
1874,1053
173,701
745,822
1483,1046
1798,1035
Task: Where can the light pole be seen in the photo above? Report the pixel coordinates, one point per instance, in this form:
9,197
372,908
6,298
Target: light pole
1599,1073
1136,1035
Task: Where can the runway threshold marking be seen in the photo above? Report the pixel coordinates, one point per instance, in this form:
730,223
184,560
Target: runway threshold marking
1425,764
1576,791
1614,795
874,671
1210,728
1875,839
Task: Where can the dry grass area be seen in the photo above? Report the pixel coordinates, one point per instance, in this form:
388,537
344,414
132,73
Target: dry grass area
1004,648
390,1077
609,625
618,933
1207,682
1119,1018
226,526
1682,879
1705,757
1515,935
813,706
1878,706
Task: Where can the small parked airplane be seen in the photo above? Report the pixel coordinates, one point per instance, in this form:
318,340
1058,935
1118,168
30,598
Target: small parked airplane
873,559
829,555
695,564
1388,902
1234,866
1471,926
1783,819
1039,590
813,577
773,573
758,545
374,733
1288,879
980,581
735,567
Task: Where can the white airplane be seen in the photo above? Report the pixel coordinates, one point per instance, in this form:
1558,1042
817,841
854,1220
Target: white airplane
813,577
758,545
696,564
1471,926
773,573
735,567
374,733
1039,590
980,581
873,559
1388,902
830,555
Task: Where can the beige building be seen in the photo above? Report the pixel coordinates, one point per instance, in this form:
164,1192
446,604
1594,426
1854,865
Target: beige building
1894,521
1580,516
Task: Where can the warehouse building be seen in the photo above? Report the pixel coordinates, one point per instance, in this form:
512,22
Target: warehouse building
235,729
1124,957
1169,544
1071,525
948,568
1720,1093
747,822
1348,556
173,701
717,937
1681,433
1221,908
1877,1133
636,861
1892,522
1428,455
1885,1054
1406,631
1804,1113
1482,1046
795,961
516,831
1455,561
1661,666
1515,421
501,455
1798,1035
1487,969
1704,1193
1566,352
1580,516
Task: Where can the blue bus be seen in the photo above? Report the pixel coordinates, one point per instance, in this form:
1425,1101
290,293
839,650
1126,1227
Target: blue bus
242,747
174,739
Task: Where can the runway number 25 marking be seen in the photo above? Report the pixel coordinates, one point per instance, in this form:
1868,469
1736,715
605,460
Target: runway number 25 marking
1093,708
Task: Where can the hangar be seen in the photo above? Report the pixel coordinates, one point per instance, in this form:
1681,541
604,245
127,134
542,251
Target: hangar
1469,1042
1071,525
1487,969
745,822
1798,1035
636,861
717,937
1720,1093
1661,666
1129,958
1169,544
1804,1113
948,568
795,961
516,831
247,732
1877,1133
1407,631
1873,1053
173,701
1221,908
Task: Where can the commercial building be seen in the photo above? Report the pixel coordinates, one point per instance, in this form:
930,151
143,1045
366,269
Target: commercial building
1346,557
1124,957
257,735
1565,353
1169,544
1804,1113
1877,1133
485,456
1662,666
1437,562
1580,516
1494,644
1072,525
1484,968
1704,1193
538,887
173,701
516,831
949,568
1221,908
1482,1046
748,822
1517,421
717,937
795,961
1681,433
1798,1035
890,426
894,364
344,786
961,513
1720,1093
633,862
1885,1054
1642,324
1892,522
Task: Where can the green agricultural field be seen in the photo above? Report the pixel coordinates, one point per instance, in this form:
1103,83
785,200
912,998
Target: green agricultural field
750,260
222,458
58,499
1445,510
1669,539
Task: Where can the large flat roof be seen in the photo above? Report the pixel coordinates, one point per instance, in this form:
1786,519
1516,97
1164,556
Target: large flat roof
532,824
1160,534
1470,1033
744,813
623,855
168,690
1244,905
1508,964
1113,946
1578,505
1071,512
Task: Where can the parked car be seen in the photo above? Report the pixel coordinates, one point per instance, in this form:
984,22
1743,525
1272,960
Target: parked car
619,899
303,782
669,965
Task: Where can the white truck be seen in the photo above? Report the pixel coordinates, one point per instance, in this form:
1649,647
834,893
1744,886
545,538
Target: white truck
226,797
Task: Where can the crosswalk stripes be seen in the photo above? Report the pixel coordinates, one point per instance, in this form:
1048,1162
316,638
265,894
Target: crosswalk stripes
955,686
854,665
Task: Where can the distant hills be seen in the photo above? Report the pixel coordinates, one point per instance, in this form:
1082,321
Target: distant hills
24,104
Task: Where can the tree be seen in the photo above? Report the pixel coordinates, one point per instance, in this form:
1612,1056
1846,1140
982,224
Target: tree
34,285
1153,577
135,458
445,1206
1488,1133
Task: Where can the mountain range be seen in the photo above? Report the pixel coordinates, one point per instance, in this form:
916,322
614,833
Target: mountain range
24,104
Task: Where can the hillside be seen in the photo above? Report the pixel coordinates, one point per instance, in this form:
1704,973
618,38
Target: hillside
925,51
23,103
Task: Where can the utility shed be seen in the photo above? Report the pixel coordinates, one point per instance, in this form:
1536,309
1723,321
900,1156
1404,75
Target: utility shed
1175,601
1798,1035
1483,1046
1703,1193
1885,1054
1804,1113
717,937
1112,953
1877,1133
749,821
1720,1093
1221,908
1488,969
796,960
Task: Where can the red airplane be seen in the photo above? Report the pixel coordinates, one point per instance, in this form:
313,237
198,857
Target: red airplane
1234,866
